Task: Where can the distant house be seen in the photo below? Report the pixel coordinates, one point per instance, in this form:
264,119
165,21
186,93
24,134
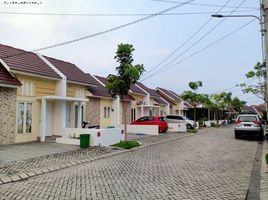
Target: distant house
176,104
51,96
152,103
258,109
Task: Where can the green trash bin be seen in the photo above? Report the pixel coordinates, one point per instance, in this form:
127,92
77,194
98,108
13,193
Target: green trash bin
84,140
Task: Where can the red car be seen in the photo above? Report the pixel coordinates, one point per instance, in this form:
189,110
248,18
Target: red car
153,120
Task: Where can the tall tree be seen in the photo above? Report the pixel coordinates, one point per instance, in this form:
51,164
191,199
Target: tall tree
193,96
127,75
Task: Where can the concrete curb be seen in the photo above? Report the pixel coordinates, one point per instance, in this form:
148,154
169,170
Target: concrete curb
4,179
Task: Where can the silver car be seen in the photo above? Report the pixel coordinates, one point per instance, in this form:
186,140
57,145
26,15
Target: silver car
248,125
180,119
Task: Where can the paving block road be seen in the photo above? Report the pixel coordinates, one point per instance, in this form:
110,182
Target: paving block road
211,165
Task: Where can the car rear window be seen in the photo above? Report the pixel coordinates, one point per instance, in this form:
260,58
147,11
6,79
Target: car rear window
247,118
174,117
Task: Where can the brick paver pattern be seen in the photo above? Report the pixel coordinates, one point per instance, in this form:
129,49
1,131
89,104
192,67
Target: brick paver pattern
205,166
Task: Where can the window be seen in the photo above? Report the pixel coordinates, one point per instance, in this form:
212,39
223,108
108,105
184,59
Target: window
107,112
24,117
133,114
27,89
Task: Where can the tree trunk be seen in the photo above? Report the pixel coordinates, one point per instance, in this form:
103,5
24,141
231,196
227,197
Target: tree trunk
195,116
124,118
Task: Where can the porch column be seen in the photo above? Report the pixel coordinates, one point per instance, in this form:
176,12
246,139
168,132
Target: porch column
43,120
79,117
142,111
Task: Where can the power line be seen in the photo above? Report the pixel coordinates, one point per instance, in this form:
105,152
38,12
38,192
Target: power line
166,66
106,31
202,4
115,14
203,49
227,89
184,43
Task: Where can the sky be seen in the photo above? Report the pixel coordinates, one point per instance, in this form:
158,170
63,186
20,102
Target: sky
220,66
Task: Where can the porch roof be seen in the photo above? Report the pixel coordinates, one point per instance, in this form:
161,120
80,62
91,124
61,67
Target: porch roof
60,98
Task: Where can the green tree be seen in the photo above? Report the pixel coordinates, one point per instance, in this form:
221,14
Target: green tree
127,75
237,104
258,73
193,96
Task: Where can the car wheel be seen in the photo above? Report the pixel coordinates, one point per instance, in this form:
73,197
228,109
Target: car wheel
237,135
188,126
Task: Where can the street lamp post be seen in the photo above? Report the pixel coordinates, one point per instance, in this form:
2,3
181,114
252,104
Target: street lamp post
263,45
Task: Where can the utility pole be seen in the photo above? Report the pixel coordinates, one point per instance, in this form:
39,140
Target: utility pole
264,25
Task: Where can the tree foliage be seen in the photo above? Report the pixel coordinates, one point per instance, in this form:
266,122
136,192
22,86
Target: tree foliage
195,85
258,74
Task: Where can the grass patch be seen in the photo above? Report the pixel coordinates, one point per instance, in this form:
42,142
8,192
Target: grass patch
127,144
266,158
191,131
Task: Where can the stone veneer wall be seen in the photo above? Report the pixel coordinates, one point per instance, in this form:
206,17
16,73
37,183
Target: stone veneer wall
7,115
93,111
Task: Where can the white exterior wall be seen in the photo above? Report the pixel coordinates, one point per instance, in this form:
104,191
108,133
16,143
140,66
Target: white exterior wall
106,136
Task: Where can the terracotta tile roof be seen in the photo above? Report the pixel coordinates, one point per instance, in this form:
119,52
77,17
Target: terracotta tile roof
160,101
137,90
169,93
171,103
149,90
105,92
100,90
246,108
6,78
70,70
258,109
187,105
25,61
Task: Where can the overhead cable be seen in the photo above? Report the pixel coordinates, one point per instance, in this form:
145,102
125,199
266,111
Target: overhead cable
203,49
184,43
106,31
166,66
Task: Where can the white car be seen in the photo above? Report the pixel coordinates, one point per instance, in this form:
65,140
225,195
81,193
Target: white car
248,125
179,118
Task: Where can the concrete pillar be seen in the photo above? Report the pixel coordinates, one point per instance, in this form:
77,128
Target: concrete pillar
43,120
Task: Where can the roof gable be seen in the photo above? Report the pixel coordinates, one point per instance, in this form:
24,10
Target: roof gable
70,70
6,78
25,61
99,90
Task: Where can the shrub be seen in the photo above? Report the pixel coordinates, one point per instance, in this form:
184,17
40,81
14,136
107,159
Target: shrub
127,144
266,158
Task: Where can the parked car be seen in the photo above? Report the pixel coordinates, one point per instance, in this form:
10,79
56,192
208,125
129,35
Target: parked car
179,119
153,120
248,125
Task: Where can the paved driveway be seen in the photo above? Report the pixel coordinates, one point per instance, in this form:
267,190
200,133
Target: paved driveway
205,166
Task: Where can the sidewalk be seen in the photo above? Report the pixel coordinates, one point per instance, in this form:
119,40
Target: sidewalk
42,162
